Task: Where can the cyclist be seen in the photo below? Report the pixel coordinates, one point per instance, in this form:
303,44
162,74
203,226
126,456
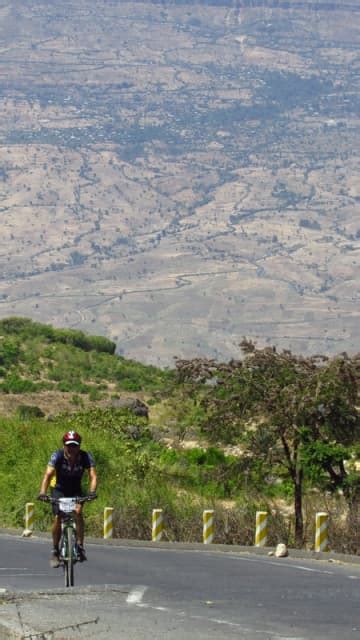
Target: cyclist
63,473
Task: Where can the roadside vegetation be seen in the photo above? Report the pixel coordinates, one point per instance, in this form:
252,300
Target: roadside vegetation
270,430
36,357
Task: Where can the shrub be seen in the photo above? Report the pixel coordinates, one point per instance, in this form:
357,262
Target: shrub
9,352
77,401
26,412
95,394
14,384
82,341
129,385
26,328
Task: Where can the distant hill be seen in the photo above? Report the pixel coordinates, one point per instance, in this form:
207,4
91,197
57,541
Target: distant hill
177,175
46,371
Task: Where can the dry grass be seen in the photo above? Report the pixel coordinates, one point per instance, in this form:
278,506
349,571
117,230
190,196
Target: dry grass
51,402
344,526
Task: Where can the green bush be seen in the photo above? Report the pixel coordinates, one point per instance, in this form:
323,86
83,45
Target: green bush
95,394
26,328
9,352
82,341
209,472
14,384
65,386
26,412
129,385
70,357
75,386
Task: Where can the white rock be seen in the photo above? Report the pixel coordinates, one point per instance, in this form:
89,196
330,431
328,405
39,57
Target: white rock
281,551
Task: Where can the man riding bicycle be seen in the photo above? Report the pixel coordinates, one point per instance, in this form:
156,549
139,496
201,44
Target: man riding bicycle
64,473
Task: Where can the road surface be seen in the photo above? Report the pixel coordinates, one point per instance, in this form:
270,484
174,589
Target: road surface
142,592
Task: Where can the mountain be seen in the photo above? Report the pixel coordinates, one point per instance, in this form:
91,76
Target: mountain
176,175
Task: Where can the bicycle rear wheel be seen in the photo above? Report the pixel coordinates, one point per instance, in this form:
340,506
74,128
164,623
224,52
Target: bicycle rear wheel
69,560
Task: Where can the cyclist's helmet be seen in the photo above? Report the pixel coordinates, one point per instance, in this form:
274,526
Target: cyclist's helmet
72,437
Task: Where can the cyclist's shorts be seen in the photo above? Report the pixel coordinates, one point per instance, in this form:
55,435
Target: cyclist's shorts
55,493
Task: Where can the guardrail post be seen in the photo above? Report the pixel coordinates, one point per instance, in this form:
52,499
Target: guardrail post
29,516
322,531
208,526
261,532
108,522
157,525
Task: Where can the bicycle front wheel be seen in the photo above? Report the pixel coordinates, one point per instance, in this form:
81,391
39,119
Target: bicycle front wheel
69,560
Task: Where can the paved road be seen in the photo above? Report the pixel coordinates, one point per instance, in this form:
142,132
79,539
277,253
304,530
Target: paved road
177,593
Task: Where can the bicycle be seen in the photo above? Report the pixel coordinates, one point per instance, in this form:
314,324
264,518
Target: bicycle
68,551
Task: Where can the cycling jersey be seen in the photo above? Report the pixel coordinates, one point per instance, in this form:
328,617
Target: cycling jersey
68,478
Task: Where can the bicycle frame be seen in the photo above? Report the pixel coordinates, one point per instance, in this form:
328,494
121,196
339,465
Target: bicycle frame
68,548
68,544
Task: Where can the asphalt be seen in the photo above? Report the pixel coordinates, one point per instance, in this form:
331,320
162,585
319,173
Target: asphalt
328,556
103,611
63,614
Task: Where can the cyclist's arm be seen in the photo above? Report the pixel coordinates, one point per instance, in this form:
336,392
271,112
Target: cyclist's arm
49,473
93,479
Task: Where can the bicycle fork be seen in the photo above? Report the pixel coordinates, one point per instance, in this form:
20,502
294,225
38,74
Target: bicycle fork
68,544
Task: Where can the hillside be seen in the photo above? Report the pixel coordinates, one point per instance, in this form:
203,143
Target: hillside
61,370
265,431
175,176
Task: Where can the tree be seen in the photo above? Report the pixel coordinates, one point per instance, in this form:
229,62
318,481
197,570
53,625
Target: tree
296,416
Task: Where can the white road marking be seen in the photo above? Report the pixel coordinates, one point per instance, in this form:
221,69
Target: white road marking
13,569
194,617
151,606
219,621
298,566
23,575
227,623
285,565
136,595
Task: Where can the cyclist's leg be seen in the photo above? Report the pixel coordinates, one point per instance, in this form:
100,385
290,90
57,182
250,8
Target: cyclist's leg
80,528
56,530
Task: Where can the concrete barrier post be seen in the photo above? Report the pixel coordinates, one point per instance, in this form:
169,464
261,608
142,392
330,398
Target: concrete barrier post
208,526
108,522
261,532
29,516
157,525
322,531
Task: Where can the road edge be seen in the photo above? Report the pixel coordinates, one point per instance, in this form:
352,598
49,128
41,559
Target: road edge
327,556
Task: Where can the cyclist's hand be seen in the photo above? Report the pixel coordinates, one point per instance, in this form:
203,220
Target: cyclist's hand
43,497
92,495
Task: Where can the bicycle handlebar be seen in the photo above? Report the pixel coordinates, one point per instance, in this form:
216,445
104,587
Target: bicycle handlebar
76,499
